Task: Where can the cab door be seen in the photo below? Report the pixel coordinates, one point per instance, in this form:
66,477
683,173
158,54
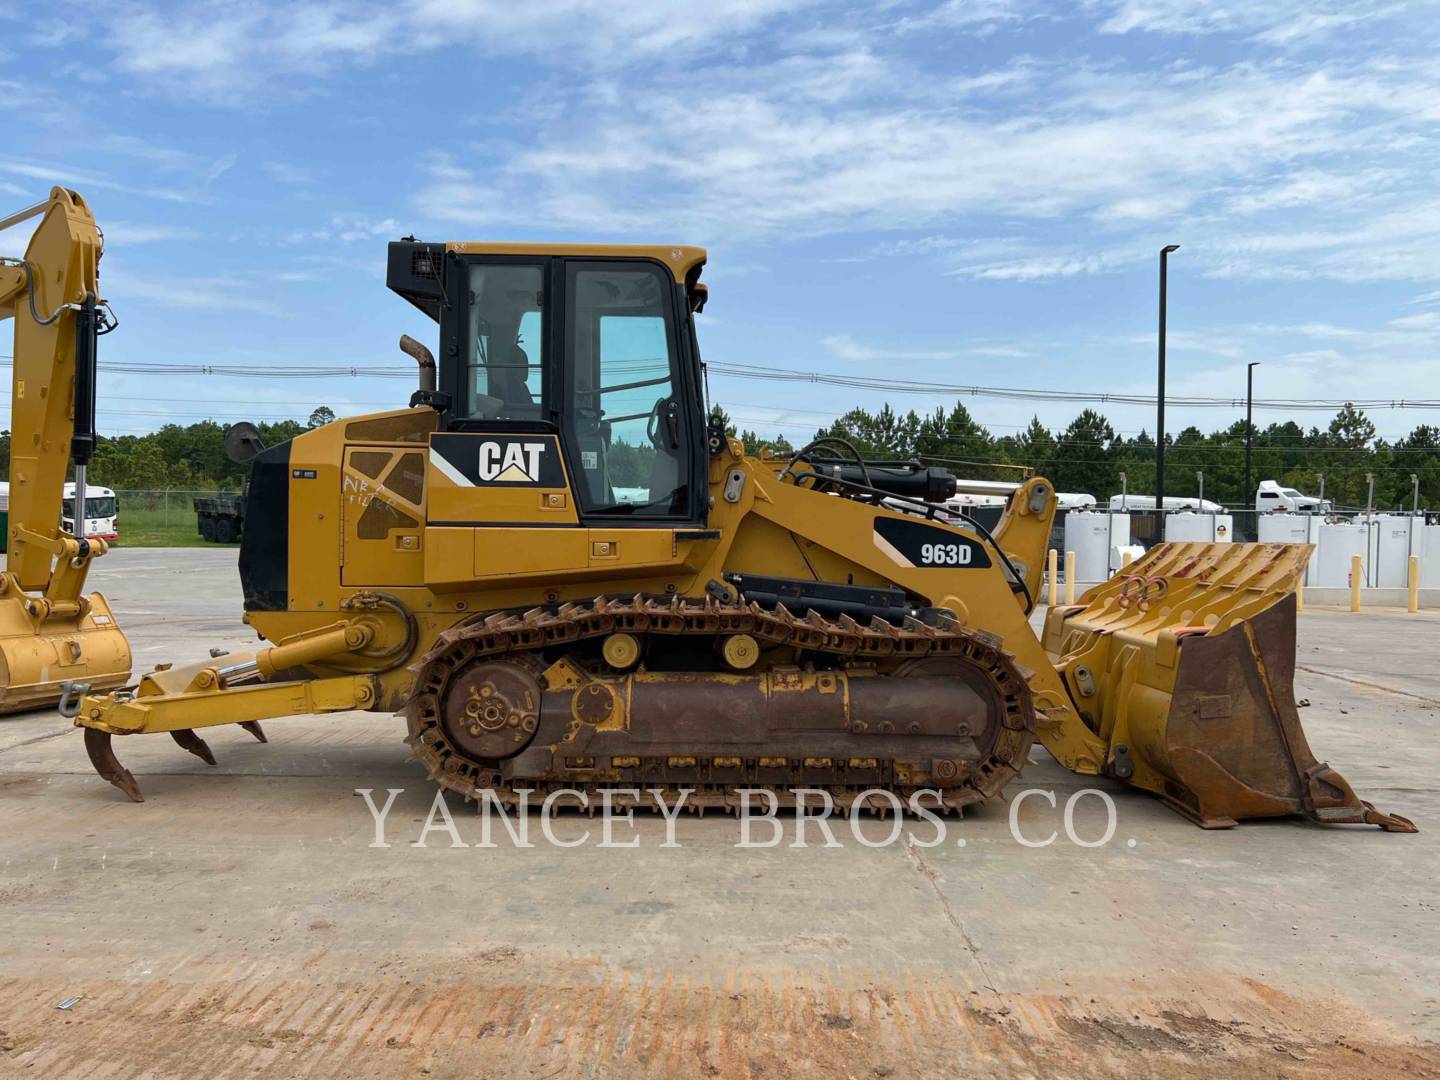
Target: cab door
631,419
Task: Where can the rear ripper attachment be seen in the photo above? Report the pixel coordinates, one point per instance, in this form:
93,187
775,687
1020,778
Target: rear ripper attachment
1185,664
718,695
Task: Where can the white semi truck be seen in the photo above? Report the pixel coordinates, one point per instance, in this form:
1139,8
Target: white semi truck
1271,495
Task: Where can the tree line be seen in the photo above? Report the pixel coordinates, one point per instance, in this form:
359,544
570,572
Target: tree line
184,457
1087,455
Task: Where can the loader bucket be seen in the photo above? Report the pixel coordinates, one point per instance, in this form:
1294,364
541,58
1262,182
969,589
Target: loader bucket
39,655
1184,665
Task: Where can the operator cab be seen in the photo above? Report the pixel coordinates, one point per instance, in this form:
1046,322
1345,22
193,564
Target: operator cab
594,345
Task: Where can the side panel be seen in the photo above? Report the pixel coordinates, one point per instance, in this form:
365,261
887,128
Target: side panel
382,509
495,478
265,544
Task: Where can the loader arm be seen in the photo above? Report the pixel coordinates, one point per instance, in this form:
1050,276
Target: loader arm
52,294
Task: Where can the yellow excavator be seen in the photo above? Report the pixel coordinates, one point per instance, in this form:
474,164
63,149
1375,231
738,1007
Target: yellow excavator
51,632
569,582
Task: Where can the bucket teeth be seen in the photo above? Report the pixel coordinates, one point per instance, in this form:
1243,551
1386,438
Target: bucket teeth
253,726
97,746
1388,822
190,741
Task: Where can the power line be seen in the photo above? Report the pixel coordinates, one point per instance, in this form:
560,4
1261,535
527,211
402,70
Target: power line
861,382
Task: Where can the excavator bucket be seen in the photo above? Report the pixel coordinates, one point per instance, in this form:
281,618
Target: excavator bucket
1184,665
39,655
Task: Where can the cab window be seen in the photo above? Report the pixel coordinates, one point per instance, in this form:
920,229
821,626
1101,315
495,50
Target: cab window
625,419
506,323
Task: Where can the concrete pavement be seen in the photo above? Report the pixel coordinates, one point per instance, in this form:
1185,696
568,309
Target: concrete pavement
239,921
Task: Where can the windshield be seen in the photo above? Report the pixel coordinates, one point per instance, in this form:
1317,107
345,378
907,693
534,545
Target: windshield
1292,493
96,506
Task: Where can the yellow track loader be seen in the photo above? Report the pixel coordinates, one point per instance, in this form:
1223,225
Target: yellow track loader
50,631
567,582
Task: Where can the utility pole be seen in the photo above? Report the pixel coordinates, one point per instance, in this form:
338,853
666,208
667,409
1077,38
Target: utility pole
1249,431
1160,402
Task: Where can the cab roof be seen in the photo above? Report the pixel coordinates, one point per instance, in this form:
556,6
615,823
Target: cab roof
681,259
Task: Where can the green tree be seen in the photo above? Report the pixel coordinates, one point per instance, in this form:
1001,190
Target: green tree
1087,461
1351,429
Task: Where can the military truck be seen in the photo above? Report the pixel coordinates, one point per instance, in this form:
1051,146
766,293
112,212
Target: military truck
220,518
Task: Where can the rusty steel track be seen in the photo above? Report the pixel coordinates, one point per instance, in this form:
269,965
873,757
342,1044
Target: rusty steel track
531,641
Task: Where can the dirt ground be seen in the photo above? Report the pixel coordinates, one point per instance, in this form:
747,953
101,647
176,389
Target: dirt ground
240,923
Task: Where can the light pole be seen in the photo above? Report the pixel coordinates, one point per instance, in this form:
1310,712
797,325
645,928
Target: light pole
1160,401
1249,430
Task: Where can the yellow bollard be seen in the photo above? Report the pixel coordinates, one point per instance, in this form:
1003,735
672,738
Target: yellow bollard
1300,595
1414,603
1357,575
1069,577
1054,577
1126,559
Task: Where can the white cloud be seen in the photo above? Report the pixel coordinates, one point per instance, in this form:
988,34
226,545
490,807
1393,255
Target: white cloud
1122,147
1310,187
219,46
347,228
596,31
979,17
219,168
844,347
198,293
1430,320
126,233
225,48
1315,329
50,173
170,158
1045,267
1211,343
1274,21
1398,245
287,172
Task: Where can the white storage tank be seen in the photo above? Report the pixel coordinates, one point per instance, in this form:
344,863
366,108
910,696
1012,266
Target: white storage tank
1338,542
1285,528
1094,536
1430,557
1394,535
1208,528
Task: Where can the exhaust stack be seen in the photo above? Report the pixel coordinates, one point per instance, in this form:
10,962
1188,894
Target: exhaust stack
422,356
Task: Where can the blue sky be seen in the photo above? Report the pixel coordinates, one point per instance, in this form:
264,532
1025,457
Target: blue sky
962,192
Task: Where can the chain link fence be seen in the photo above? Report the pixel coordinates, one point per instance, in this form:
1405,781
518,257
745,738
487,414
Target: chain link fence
163,518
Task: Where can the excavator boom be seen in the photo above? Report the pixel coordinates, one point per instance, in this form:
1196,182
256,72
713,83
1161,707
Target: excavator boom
51,632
